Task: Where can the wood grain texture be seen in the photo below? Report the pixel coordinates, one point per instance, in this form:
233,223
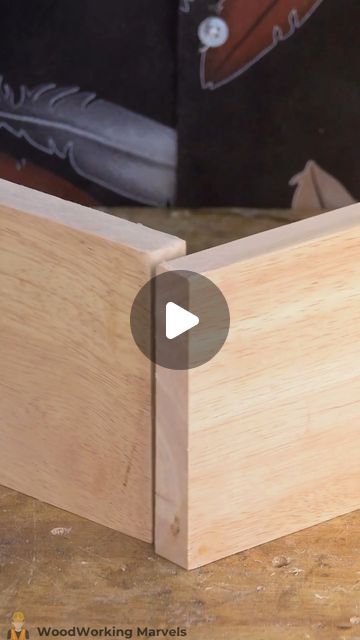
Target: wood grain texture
270,441
91,575
75,391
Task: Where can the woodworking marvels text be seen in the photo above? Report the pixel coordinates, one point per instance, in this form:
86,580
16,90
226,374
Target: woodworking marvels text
113,632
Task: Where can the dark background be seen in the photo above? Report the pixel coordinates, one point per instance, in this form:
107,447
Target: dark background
239,144
124,50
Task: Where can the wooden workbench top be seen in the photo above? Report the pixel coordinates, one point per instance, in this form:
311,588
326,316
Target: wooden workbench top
63,570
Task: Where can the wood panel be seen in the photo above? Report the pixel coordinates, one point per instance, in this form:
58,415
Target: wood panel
75,391
263,440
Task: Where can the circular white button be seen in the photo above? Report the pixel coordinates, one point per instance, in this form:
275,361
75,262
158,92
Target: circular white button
213,32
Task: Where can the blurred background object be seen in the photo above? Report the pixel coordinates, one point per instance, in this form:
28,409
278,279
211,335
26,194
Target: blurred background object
188,103
316,189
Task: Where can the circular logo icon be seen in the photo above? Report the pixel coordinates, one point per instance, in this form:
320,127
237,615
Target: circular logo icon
180,319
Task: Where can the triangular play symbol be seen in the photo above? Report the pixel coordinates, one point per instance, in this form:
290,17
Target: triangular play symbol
178,320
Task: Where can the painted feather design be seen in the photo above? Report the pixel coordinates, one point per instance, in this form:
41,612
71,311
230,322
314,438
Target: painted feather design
122,151
256,27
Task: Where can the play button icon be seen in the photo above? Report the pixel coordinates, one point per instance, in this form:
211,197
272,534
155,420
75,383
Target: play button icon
180,319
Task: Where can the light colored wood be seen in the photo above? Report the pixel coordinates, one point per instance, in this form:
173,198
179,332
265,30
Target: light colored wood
81,572
75,391
267,439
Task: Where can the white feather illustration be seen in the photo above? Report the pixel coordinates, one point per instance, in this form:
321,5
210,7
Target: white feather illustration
118,149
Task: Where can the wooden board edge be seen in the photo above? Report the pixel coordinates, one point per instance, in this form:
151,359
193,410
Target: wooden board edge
92,221
171,462
286,237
